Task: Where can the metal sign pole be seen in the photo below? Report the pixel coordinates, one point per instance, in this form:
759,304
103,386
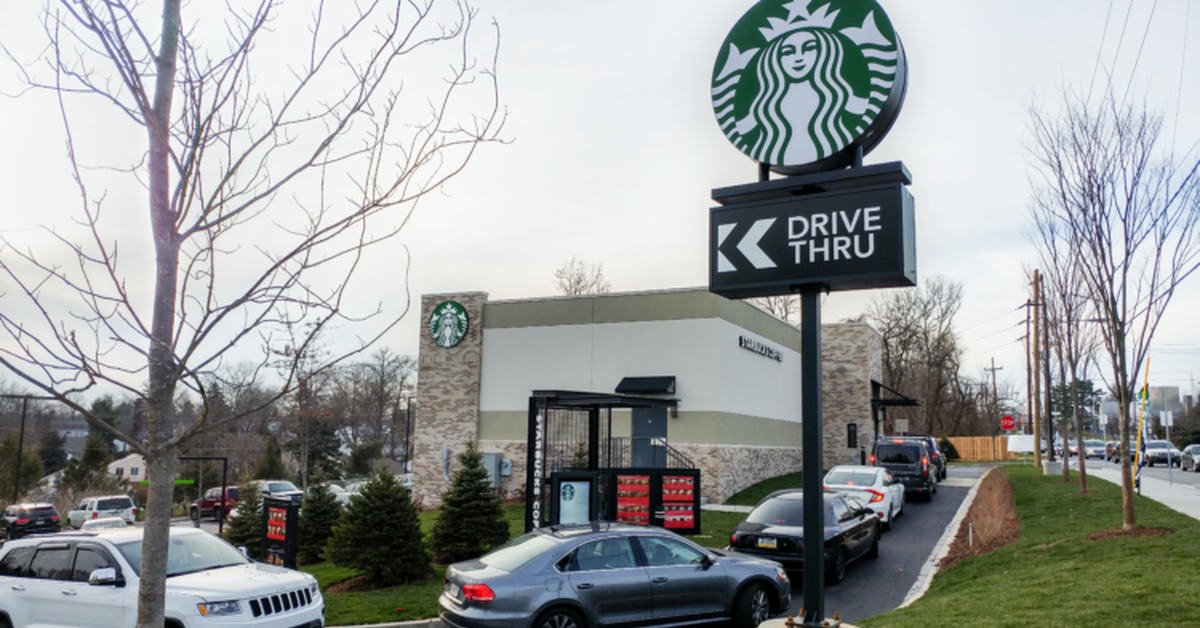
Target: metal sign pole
810,417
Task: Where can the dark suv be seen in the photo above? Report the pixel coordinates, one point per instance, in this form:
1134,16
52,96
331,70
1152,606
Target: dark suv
908,461
25,519
209,505
936,457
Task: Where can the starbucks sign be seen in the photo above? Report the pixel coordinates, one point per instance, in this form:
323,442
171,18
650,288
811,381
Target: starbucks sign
448,323
801,85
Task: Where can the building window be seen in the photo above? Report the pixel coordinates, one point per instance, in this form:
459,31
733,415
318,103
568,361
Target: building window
852,435
119,471
133,471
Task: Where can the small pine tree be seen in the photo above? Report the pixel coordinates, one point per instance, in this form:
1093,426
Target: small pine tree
471,520
319,513
379,534
245,526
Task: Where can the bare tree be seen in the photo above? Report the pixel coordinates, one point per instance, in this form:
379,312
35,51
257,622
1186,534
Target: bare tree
1130,217
277,163
576,277
785,307
921,353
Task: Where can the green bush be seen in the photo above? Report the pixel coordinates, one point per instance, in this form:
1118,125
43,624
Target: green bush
379,534
319,513
245,526
947,447
471,520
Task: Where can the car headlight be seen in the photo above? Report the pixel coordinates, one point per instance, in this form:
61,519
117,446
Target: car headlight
218,609
313,589
781,574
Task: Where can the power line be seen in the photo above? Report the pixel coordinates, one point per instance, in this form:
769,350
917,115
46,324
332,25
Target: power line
1141,46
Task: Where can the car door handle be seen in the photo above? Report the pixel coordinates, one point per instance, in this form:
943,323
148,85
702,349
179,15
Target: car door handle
659,580
584,585
18,587
69,592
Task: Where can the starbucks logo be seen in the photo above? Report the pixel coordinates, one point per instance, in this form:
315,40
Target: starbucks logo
448,324
568,493
801,85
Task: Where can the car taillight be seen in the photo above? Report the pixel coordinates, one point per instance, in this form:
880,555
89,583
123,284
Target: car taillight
95,514
478,593
733,539
21,522
872,460
924,465
54,518
876,496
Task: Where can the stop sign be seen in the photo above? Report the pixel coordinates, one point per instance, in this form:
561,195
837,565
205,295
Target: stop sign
1007,422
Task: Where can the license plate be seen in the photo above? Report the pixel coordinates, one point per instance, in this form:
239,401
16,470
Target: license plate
452,589
766,542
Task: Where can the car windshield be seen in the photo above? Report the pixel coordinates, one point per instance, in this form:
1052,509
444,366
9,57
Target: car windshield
850,478
1157,444
515,553
187,553
280,487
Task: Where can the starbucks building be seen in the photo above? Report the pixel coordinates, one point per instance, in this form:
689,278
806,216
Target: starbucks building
674,378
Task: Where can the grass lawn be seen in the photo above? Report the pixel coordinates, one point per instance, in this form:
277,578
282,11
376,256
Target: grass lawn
1055,575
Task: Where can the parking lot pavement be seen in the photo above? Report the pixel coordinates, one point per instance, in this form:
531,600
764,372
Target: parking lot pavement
1177,496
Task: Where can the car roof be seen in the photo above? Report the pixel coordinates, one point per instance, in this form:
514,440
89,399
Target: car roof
27,505
859,468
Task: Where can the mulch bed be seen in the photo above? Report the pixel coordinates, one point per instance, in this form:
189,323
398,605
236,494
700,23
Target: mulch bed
992,520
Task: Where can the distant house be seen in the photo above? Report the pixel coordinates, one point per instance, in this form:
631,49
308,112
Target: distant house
131,468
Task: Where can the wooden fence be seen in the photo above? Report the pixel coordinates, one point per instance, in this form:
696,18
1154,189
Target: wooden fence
981,448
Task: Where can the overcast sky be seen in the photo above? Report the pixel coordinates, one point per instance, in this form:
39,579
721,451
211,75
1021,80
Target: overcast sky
615,151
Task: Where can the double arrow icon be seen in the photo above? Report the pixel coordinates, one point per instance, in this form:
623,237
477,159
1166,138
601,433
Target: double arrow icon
747,246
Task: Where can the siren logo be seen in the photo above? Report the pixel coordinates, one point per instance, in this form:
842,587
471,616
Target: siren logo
448,324
800,84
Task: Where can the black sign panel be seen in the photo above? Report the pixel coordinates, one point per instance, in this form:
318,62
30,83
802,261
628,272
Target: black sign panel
845,240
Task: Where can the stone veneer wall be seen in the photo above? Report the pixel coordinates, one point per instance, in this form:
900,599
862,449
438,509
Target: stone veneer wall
851,358
447,414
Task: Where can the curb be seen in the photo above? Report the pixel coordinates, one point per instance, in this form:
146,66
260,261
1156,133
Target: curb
930,568
415,623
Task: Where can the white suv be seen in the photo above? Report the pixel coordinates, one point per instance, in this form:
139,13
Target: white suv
209,583
100,507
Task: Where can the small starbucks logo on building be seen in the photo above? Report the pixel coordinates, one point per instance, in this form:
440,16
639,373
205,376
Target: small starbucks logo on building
448,323
800,85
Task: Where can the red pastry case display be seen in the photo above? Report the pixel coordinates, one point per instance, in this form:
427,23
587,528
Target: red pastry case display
668,498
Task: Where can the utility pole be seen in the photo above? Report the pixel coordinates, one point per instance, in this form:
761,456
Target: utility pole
1037,379
1046,375
995,397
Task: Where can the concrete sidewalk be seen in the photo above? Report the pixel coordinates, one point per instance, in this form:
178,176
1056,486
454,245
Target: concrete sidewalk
1182,498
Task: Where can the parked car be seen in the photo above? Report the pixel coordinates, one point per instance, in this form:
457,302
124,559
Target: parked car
1189,458
21,520
209,504
280,489
606,573
209,583
908,461
1162,452
936,457
1094,449
874,487
98,507
774,529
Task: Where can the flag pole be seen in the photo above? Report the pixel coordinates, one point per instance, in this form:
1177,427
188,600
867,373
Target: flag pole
1144,397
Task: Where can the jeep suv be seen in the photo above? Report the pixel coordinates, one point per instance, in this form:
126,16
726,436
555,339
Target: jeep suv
100,507
209,583
908,461
24,519
209,505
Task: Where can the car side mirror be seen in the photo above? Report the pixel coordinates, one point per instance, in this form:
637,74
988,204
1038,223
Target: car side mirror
707,561
105,576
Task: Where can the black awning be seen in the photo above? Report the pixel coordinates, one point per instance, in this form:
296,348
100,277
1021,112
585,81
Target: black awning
660,385
578,399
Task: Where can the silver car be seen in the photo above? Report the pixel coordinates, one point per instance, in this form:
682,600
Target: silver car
1190,458
609,573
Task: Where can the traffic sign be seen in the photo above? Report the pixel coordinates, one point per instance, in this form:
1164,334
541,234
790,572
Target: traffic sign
846,239
1007,422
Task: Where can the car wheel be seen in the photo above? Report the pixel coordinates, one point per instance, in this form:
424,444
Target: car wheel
195,515
836,572
874,551
560,617
887,523
752,608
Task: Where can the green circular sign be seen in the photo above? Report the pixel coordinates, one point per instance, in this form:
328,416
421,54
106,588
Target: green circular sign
801,85
448,323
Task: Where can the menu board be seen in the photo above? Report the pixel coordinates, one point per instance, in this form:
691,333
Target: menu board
633,499
678,496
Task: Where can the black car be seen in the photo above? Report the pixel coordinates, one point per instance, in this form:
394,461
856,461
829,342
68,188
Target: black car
25,519
909,461
775,530
936,457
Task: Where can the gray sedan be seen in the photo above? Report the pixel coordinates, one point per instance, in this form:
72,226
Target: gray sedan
608,573
1190,458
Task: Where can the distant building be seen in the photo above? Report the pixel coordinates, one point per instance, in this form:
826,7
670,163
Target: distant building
131,468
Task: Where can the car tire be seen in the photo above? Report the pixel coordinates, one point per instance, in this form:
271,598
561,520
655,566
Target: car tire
752,608
873,553
559,617
194,515
887,524
835,572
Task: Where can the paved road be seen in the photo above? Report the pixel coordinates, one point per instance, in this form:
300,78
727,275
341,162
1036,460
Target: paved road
876,586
